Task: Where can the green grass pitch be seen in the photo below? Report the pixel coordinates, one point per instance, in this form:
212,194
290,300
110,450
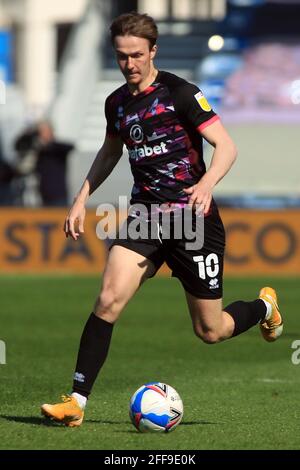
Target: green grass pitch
240,394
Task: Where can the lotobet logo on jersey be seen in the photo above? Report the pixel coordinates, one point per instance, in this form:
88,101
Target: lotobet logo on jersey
202,101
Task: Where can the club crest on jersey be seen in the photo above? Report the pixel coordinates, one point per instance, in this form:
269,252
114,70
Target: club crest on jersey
202,101
136,133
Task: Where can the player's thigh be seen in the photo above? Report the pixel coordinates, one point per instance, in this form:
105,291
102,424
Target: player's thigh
206,314
125,271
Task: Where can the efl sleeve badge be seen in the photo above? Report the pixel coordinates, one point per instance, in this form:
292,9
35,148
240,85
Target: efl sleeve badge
202,101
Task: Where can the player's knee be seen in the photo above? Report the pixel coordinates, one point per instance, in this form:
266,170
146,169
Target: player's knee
209,336
106,300
106,306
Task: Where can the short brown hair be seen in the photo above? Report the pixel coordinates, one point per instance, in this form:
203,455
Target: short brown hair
134,24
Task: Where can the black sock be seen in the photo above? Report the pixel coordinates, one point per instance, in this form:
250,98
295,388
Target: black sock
93,349
246,314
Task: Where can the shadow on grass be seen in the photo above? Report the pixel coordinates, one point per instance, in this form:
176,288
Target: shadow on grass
30,420
103,421
48,422
134,431
185,423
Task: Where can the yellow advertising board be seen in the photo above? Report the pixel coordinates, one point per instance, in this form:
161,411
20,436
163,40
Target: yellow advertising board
262,242
32,240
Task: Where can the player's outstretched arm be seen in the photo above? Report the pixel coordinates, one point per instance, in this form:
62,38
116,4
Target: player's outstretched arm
223,158
105,161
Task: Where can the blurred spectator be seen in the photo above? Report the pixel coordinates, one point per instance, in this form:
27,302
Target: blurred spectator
7,175
268,79
6,178
39,151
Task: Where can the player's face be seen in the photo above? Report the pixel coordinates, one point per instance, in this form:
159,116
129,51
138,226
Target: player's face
134,58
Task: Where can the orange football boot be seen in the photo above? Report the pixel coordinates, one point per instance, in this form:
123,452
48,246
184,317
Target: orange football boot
271,326
68,412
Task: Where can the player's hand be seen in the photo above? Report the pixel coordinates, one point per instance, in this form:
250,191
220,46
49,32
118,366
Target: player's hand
74,223
200,196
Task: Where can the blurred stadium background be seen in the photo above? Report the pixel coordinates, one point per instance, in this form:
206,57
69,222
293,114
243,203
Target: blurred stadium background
57,64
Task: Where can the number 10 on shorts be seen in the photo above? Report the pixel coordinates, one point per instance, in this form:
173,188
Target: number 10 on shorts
208,266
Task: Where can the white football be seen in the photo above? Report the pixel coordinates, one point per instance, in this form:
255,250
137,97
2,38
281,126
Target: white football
156,407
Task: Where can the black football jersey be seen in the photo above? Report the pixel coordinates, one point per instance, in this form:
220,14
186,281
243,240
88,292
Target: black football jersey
161,128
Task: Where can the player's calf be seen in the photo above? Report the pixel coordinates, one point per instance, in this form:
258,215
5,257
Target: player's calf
210,336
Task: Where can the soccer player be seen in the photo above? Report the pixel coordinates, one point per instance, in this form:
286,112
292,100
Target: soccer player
162,120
